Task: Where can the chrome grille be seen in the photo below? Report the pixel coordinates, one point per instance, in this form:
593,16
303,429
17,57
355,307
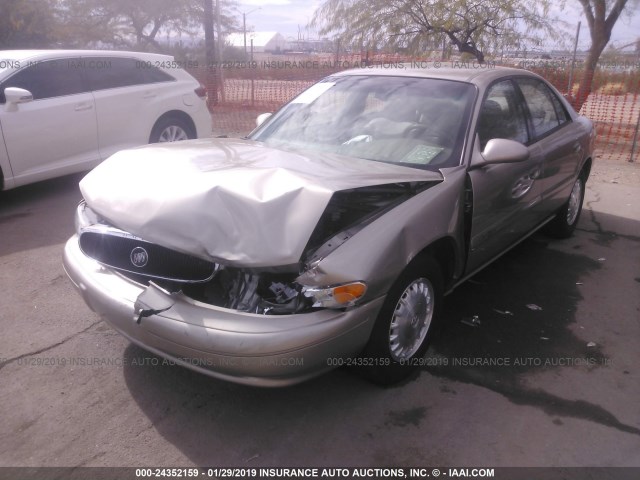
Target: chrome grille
123,251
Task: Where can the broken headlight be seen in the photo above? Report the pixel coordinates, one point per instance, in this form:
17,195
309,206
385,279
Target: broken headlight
337,296
85,217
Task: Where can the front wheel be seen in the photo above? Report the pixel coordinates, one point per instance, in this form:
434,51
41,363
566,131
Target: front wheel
566,220
405,325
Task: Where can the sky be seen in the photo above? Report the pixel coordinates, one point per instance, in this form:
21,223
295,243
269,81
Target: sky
291,16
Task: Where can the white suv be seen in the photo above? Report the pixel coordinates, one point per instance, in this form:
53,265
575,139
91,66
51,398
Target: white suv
64,111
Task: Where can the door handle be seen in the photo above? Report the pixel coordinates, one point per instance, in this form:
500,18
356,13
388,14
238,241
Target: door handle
523,184
149,95
83,106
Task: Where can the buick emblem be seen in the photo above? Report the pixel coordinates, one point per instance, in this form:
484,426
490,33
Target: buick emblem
139,257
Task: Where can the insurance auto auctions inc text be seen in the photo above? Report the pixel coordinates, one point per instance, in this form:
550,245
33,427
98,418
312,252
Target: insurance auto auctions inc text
317,64
371,473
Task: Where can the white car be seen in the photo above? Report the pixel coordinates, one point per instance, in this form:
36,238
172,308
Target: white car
64,111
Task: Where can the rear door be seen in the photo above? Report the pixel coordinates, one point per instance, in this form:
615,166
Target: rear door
558,138
56,132
504,196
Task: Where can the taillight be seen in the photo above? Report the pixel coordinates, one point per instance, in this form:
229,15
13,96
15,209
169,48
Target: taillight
201,91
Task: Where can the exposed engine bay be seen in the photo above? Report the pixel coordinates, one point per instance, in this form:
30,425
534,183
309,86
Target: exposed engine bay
263,293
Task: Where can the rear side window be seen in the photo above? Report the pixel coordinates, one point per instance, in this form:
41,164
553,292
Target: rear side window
546,110
47,79
104,73
152,74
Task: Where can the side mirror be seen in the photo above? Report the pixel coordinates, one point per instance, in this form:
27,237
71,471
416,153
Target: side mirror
501,150
261,118
15,95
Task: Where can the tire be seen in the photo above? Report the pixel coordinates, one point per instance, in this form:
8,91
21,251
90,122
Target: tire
566,219
171,129
407,322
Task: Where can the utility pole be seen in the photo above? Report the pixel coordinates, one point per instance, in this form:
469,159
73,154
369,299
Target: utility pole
220,76
244,28
208,33
210,53
573,60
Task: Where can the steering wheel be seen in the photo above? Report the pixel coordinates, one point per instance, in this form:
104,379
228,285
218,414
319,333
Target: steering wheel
358,138
418,130
415,130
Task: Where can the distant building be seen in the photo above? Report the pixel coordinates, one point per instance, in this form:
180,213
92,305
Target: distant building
309,45
263,42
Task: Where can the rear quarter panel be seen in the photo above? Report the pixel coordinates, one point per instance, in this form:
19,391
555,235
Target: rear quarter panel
126,116
194,105
564,154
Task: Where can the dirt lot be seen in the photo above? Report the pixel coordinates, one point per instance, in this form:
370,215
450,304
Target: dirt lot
75,393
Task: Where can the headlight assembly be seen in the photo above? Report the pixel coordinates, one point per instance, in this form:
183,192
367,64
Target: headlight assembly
85,217
337,296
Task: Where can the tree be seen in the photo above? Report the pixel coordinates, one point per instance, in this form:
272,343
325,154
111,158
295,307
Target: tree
601,15
26,24
137,24
472,26
123,23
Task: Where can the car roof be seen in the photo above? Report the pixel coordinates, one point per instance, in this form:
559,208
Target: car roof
473,73
33,55
12,60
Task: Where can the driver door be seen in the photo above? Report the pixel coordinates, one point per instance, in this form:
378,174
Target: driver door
505,196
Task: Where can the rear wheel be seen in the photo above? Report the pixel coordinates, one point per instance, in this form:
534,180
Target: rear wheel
405,325
566,220
170,129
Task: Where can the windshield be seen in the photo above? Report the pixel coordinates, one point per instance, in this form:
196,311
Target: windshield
415,122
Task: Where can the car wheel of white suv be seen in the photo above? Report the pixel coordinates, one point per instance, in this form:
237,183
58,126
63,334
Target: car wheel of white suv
171,129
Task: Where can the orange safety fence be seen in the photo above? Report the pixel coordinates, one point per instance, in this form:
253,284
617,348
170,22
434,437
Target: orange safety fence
613,105
239,91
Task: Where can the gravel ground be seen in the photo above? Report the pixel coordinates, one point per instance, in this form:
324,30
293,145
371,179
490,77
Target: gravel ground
615,170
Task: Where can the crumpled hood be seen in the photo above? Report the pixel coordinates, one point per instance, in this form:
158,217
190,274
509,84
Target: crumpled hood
232,201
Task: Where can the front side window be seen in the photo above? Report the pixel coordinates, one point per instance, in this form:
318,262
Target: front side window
47,79
501,115
415,122
546,110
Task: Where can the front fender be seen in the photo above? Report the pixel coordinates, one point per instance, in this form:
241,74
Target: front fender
378,253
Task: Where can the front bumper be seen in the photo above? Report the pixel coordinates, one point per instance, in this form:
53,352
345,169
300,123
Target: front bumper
260,350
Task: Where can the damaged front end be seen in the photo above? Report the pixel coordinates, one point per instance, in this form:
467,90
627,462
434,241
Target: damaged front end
264,290
253,291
